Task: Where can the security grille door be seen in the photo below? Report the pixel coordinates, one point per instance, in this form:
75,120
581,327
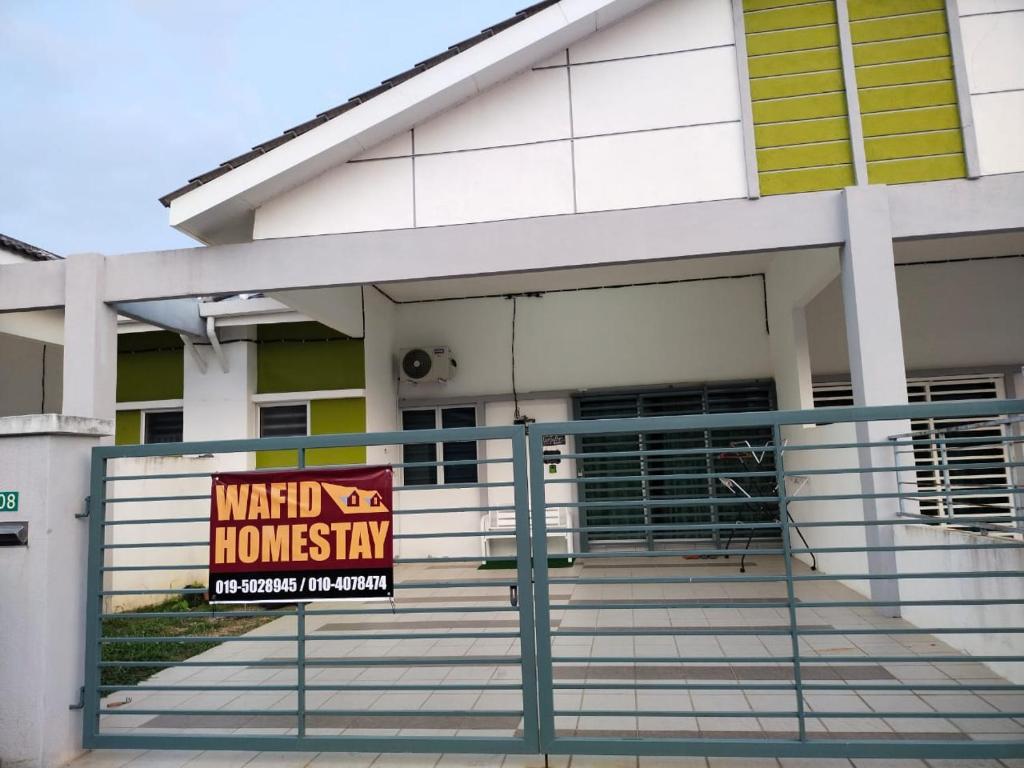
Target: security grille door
666,474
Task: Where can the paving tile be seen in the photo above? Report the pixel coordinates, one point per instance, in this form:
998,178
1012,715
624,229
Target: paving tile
603,761
106,758
406,761
281,759
171,758
218,759
673,762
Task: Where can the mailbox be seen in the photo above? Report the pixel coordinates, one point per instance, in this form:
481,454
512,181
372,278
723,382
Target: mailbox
13,534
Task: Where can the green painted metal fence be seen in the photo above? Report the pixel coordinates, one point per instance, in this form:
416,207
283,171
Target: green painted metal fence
871,627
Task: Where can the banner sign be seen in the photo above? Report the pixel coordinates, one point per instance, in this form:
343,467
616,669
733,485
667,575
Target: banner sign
301,535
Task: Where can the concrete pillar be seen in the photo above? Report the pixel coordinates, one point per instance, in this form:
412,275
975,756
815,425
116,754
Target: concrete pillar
217,404
90,340
792,280
42,636
877,369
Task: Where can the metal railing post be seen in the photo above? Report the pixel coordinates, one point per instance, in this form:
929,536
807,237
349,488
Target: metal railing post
947,483
300,634
94,599
787,557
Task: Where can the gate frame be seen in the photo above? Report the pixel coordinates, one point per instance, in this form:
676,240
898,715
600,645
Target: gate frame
551,743
528,743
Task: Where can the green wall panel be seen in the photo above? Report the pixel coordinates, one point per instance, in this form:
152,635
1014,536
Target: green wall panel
804,156
893,97
911,121
150,366
914,49
793,16
785,86
873,9
906,91
913,145
898,27
925,71
128,428
792,40
798,62
304,357
917,169
800,108
806,180
801,130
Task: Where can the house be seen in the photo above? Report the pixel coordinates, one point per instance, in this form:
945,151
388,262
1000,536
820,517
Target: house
605,209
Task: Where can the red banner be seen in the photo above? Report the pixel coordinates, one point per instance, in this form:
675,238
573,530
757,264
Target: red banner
300,535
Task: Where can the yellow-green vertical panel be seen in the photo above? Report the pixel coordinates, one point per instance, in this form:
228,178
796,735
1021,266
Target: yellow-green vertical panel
906,90
329,417
801,130
128,428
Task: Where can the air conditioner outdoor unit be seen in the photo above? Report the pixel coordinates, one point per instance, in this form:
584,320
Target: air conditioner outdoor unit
422,365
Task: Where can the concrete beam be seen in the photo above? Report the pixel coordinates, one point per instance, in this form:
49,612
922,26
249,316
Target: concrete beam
957,207
32,285
178,315
523,245
781,222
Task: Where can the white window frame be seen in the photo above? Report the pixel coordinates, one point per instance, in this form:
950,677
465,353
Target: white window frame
151,406
441,480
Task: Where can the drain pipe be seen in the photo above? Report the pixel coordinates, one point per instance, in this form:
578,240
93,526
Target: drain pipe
194,351
211,334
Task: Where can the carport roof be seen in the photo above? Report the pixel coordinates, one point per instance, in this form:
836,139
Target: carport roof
360,98
14,245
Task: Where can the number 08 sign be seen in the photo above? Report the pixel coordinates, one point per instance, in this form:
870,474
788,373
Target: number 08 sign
301,535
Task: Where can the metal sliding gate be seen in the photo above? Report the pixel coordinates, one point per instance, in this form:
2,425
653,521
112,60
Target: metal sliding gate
871,628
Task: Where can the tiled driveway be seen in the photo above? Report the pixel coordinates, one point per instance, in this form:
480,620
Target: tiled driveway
747,662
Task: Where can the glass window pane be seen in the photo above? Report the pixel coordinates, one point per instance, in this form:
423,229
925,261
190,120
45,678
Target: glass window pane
419,452
164,427
453,418
460,473
283,421
419,419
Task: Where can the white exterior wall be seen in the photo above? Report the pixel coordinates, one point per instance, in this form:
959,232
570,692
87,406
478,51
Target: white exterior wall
818,511
953,316
646,112
992,32
616,337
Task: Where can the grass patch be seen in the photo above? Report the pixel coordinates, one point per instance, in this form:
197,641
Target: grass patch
177,622
506,565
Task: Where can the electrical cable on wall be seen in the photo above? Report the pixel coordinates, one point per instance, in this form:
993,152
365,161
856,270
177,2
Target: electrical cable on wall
515,394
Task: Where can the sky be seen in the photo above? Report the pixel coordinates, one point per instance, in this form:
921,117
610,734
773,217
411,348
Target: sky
109,104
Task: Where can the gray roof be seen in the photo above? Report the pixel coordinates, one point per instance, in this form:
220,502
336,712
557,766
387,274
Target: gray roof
323,117
8,243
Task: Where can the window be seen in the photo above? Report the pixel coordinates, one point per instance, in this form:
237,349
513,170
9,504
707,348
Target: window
284,420
162,426
427,453
936,465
